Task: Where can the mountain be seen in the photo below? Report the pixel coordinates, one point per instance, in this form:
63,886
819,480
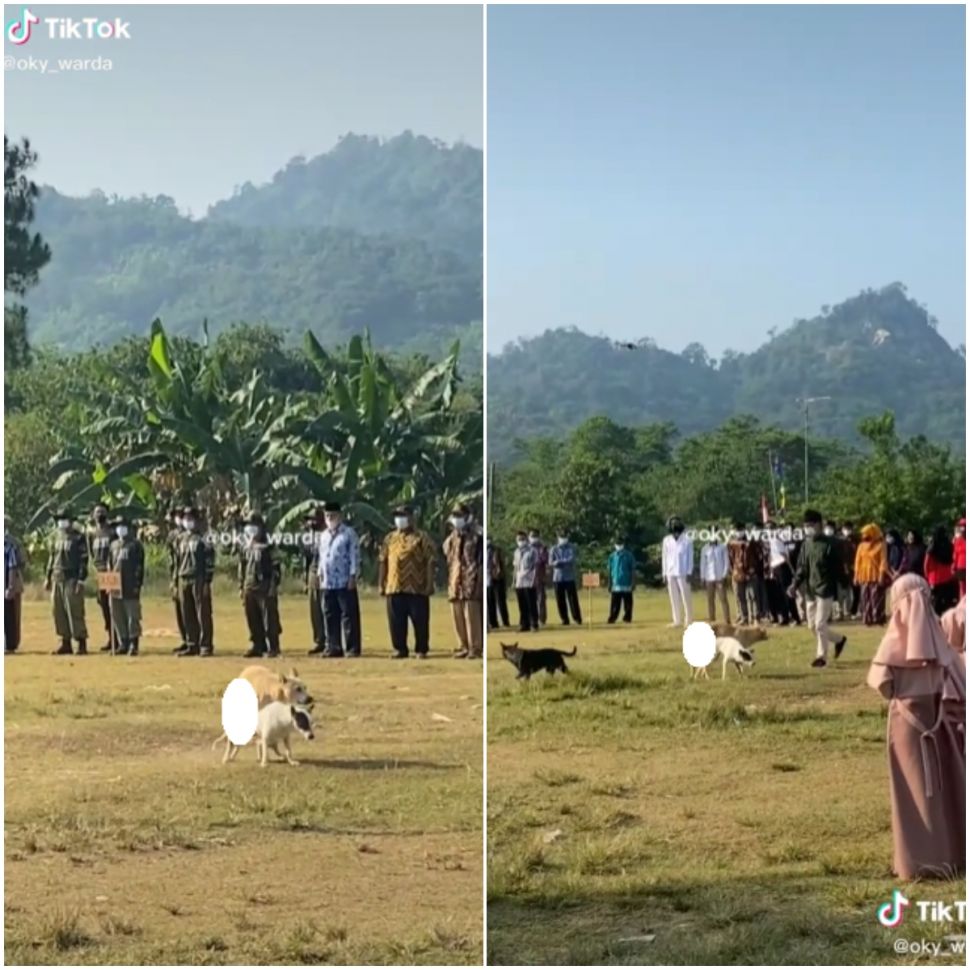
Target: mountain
384,235
876,351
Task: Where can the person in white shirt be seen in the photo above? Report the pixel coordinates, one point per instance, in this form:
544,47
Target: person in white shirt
338,564
779,577
714,573
678,564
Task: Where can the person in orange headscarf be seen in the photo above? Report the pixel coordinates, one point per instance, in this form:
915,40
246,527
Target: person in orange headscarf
918,672
872,574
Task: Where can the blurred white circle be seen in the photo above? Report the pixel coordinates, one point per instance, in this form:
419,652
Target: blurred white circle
240,711
699,644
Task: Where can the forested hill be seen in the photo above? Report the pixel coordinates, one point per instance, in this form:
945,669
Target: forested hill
384,235
876,351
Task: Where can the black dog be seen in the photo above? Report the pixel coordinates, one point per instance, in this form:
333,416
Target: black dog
528,662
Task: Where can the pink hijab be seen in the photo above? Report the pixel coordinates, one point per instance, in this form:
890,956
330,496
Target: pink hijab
915,637
955,625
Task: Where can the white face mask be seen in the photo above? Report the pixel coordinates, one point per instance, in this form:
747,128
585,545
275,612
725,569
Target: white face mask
122,531
251,531
63,523
890,540
810,530
401,521
188,524
563,540
458,521
534,540
618,546
521,543
846,532
178,521
829,531
332,521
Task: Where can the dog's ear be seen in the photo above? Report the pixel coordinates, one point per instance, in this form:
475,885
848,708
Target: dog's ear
292,675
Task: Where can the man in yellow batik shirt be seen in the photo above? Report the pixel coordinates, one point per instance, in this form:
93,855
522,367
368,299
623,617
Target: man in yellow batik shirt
463,550
407,569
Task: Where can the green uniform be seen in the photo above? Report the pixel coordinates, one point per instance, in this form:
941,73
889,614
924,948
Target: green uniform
311,579
99,549
172,543
127,557
67,569
195,565
259,579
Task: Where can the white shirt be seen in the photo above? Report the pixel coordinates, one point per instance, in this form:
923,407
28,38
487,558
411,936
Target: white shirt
779,551
678,556
714,562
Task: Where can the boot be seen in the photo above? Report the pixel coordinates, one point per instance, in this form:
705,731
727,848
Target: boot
64,648
255,652
183,646
133,647
82,647
188,651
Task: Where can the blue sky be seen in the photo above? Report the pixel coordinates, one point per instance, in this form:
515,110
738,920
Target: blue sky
204,98
709,172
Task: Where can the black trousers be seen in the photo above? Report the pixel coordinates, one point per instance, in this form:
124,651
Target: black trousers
624,600
263,620
567,602
11,624
317,625
944,596
402,607
780,605
341,614
179,618
496,598
528,598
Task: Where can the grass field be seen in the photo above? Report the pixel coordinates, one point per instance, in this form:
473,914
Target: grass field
635,817
128,842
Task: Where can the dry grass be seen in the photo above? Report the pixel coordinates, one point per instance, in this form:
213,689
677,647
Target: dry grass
635,817
128,842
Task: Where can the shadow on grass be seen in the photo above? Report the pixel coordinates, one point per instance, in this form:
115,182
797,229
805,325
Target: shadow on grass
783,919
378,764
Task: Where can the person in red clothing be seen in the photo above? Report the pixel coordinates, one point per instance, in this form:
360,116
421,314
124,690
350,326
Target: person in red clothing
960,556
938,569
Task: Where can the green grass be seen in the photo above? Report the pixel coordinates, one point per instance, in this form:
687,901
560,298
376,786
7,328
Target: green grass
127,841
636,817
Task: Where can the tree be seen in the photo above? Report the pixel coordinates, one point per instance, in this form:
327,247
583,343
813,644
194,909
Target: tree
24,252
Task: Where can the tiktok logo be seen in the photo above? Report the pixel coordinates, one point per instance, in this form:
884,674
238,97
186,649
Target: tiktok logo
890,914
18,31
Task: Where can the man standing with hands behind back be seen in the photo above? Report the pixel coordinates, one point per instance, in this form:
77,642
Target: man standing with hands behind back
339,569
463,550
406,578
67,569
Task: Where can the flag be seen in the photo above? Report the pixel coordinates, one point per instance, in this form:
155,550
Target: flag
764,509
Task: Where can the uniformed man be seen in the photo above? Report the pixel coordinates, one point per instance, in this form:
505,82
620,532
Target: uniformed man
172,544
258,582
196,565
127,558
67,569
311,581
99,545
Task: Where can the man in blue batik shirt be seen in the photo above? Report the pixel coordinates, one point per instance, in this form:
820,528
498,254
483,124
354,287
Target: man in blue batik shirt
339,569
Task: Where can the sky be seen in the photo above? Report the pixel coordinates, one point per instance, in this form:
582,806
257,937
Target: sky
706,173
201,99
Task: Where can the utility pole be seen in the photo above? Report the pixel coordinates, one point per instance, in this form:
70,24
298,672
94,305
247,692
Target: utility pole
805,401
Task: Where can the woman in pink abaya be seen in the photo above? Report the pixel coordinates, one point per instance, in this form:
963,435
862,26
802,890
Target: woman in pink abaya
921,676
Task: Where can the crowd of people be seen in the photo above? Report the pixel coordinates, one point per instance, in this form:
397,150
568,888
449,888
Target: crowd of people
408,562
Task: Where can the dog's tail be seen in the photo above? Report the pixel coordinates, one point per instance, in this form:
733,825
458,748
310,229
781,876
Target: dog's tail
222,737
567,653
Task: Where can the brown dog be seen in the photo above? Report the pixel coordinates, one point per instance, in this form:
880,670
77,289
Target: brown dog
271,687
745,635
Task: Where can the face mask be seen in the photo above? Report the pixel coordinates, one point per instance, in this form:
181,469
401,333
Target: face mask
521,543
890,540
810,530
618,546
457,521
63,523
401,521
332,521
829,532
251,531
122,531
846,532
177,522
563,540
534,540
188,524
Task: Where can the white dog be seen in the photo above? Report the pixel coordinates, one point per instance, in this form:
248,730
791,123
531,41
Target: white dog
729,650
276,722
